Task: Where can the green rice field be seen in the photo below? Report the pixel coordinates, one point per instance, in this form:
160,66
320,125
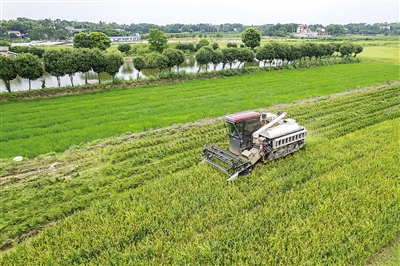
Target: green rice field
149,200
38,126
388,54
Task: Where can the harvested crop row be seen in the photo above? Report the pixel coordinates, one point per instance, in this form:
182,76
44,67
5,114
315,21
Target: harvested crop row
322,206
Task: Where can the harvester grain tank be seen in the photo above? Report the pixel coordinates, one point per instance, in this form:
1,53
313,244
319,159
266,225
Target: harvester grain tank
255,137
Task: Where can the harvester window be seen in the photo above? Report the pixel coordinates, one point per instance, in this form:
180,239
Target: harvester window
233,129
251,125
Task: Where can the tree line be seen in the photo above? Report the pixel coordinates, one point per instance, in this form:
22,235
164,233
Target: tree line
87,55
48,29
59,63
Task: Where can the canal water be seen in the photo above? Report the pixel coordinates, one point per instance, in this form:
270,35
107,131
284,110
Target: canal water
127,72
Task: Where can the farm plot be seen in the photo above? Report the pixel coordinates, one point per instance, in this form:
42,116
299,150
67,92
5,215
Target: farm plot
148,201
33,127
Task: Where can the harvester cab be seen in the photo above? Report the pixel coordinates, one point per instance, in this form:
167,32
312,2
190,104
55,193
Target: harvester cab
254,136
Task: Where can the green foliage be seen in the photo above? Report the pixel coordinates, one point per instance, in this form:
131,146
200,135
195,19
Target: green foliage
29,67
139,63
158,40
8,70
204,55
245,55
346,49
124,47
266,53
83,61
5,43
92,40
229,55
37,51
251,37
357,49
99,62
231,45
334,29
185,47
99,40
54,63
161,61
215,46
114,62
150,60
216,57
175,57
202,43
81,40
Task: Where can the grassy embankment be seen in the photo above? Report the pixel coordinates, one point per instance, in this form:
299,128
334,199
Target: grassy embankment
148,201
38,126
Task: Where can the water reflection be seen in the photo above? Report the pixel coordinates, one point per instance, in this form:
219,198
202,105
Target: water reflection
127,72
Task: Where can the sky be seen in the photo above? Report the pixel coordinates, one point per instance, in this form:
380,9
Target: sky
246,12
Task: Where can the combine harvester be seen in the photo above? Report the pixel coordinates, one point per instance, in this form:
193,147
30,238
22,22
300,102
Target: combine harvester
253,137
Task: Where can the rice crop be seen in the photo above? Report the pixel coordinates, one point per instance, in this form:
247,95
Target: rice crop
148,201
33,127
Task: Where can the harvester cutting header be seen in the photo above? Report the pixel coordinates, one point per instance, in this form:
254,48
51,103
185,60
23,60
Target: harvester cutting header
254,137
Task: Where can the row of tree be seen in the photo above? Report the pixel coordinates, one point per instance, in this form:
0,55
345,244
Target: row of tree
59,63
212,54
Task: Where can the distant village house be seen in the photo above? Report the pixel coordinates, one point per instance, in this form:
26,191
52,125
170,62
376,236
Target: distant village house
304,31
385,27
17,33
72,29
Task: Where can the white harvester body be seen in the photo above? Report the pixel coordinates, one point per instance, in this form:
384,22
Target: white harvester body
254,137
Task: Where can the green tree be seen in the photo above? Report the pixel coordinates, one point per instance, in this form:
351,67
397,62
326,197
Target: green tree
150,60
54,64
29,67
124,47
266,53
203,56
161,62
280,51
175,57
69,64
334,29
93,40
37,51
245,55
202,43
99,40
8,70
251,37
138,64
215,46
114,62
98,61
229,56
83,61
81,40
231,45
216,57
357,49
346,49
294,53
157,40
